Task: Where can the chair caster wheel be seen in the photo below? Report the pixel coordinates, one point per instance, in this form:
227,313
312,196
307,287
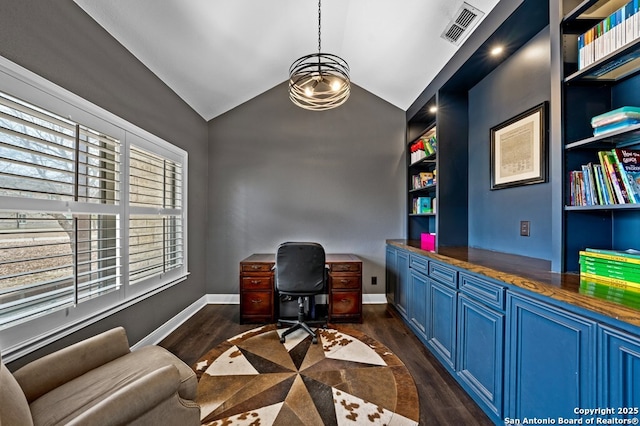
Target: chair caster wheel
314,340
283,339
278,324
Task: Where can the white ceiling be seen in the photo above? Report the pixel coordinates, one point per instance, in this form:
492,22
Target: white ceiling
217,54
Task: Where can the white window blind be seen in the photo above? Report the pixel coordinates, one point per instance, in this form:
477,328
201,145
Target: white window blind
46,156
50,258
155,241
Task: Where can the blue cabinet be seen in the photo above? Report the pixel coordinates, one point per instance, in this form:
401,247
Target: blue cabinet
441,332
619,371
418,304
550,360
480,352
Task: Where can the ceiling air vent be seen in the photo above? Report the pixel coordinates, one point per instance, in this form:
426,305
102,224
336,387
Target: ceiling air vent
465,19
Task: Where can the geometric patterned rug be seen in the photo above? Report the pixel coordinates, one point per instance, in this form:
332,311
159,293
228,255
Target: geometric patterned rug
347,378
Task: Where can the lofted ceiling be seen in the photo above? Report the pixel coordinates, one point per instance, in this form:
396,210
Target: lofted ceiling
218,54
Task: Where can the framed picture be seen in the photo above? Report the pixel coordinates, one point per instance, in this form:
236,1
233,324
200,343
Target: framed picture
518,149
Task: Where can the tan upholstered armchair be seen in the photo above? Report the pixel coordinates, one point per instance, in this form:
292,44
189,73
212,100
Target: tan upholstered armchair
99,381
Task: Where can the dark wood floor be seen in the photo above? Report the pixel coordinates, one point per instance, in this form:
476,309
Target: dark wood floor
442,400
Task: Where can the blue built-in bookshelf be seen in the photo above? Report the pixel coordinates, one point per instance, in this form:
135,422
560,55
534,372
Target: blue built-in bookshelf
463,195
609,79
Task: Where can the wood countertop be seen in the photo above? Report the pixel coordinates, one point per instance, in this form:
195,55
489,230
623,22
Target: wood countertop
527,273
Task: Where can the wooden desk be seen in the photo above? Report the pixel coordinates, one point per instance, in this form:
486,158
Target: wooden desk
258,295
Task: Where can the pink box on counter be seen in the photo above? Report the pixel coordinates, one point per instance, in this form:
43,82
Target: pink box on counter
428,241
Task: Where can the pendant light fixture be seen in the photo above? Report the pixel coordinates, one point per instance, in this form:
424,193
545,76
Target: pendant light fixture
319,81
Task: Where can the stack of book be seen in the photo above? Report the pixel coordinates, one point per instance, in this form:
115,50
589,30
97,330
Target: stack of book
422,148
615,180
422,180
617,119
422,205
611,274
610,34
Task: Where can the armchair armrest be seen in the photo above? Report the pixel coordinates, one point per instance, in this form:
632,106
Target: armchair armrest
134,400
47,373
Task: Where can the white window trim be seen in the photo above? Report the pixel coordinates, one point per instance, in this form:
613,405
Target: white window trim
26,337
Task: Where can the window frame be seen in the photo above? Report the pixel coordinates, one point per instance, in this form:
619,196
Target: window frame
25,337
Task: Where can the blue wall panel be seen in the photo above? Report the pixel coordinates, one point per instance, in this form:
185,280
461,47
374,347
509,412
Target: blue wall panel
494,216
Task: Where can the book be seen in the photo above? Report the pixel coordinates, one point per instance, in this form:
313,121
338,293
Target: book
606,178
625,254
619,256
610,264
629,166
610,165
424,205
603,192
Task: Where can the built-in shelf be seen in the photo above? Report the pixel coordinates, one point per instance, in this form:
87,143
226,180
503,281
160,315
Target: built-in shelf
424,188
617,65
603,207
619,138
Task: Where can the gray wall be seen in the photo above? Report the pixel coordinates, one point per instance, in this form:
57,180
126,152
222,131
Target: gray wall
279,173
58,41
518,84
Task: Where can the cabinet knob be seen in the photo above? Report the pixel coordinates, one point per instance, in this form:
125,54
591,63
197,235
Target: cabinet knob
255,282
256,301
343,281
345,300
255,266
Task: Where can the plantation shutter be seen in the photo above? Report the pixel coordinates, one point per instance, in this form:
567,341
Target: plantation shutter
60,254
155,221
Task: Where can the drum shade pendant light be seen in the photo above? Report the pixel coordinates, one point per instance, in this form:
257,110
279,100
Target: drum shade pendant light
319,81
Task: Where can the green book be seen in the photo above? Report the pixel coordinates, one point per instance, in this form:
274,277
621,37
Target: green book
619,256
610,270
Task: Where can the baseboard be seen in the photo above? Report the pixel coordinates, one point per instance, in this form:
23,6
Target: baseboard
217,299
374,299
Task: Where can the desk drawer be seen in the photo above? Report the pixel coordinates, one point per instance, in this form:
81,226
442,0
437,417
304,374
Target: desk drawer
345,303
256,283
257,303
444,274
345,281
256,267
345,267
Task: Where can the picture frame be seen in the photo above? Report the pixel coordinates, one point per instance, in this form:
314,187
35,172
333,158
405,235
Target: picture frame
519,149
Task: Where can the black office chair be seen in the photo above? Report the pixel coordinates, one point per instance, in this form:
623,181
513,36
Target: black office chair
300,271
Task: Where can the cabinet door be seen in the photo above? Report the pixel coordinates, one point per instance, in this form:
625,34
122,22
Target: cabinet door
418,303
619,371
550,360
402,288
441,333
480,344
391,274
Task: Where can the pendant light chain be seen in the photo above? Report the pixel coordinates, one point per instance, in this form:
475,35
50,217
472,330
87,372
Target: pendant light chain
319,21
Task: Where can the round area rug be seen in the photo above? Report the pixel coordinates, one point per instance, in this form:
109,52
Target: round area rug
347,378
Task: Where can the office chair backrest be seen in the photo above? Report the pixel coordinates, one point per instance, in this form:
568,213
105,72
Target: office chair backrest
300,268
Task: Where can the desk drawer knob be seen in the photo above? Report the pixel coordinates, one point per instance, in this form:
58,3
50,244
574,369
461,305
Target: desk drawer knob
255,281
256,300
255,266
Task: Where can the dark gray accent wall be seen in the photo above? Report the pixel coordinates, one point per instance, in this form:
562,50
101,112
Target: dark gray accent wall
520,83
280,173
58,41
